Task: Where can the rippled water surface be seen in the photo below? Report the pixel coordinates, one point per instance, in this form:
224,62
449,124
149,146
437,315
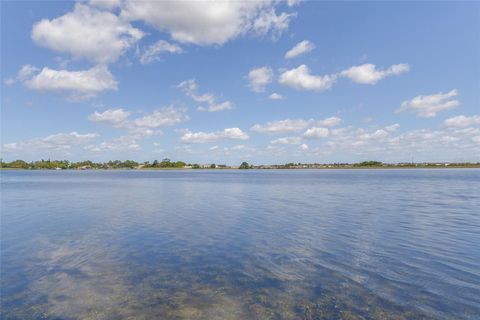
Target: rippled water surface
326,244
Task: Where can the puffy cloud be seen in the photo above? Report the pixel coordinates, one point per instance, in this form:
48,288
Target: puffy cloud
300,48
207,22
142,126
316,133
292,3
114,117
462,121
392,128
304,147
276,96
54,142
269,21
281,126
164,117
294,125
329,122
23,74
287,140
429,106
417,138
26,72
369,74
376,135
350,140
153,52
190,88
215,107
259,78
205,137
380,143
81,84
87,32
123,143
300,78
105,4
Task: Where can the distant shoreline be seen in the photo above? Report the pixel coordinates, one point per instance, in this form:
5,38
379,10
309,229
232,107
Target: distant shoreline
167,164
263,169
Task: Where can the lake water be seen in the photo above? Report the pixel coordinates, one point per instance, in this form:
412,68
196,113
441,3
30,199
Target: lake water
300,244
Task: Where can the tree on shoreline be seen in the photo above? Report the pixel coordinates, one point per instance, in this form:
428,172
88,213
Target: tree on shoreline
369,164
245,165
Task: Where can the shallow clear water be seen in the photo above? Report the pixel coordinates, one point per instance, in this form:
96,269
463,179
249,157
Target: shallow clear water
326,244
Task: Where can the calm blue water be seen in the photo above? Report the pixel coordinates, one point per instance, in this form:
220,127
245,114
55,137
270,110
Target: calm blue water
326,244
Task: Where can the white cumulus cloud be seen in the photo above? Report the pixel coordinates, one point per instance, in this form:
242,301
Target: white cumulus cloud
259,77
329,122
205,137
123,143
163,117
55,142
81,84
294,125
300,78
392,128
268,21
316,133
87,32
153,52
114,117
462,121
287,140
215,107
144,126
209,22
23,74
105,4
190,88
427,106
304,147
281,126
369,74
276,96
300,48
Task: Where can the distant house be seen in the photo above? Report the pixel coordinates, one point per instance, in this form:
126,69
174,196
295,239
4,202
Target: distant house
85,167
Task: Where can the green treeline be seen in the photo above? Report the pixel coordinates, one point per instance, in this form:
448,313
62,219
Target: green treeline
369,164
168,164
115,164
65,164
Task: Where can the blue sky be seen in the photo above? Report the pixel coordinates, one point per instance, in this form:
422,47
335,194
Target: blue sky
265,82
